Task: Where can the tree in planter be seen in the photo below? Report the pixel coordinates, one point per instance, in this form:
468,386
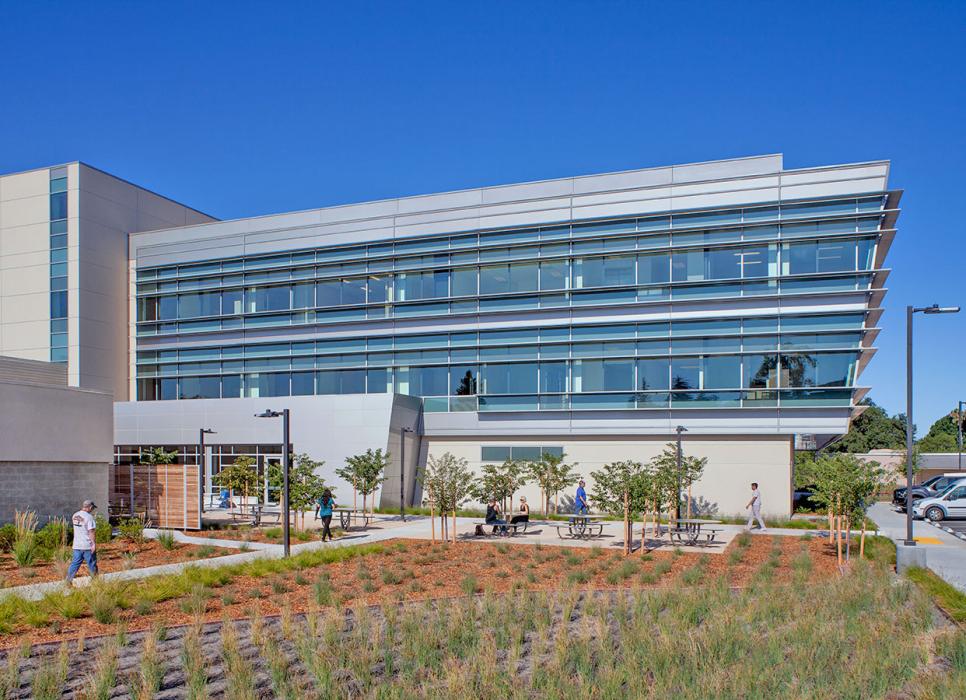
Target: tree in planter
622,488
365,472
157,455
238,476
847,487
305,485
447,483
500,482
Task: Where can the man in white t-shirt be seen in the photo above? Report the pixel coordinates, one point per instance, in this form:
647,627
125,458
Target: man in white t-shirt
85,543
755,505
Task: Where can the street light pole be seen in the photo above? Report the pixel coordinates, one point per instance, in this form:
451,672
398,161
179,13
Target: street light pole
959,435
286,532
677,504
402,473
910,310
202,466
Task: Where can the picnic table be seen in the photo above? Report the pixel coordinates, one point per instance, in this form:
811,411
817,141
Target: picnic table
582,527
688,531
346,516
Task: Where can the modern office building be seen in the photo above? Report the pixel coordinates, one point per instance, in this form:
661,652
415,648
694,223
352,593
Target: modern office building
589,315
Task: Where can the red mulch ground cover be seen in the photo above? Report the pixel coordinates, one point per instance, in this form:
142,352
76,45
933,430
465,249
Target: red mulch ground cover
421,570
109,558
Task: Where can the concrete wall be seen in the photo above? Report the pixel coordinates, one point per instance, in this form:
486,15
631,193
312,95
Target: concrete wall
733,463
55,442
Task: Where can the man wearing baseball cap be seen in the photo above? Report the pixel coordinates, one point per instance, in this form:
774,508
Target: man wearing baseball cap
85,544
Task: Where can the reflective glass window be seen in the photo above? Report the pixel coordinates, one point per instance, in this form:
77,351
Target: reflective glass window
378,381
169,389
494,279
653,374
341,381
523,277
201,304
721,372
231,301
167,308
463,380
303,383
817,369
354,290
514,378
267,298
554,274
759,371
200,388
464,281
58,205
686,373
653,269
303,295
428,381
553,377
328,293
819,256
610,270
603,375
495,453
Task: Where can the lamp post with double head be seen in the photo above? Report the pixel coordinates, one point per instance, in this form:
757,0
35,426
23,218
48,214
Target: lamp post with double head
286,534
202,467
910,310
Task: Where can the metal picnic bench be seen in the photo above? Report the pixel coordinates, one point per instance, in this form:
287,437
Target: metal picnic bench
581,527
510,529
689,532
346,516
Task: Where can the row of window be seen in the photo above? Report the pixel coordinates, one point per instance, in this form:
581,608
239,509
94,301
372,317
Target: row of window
440,261
557,351
837,255
701,372
788,324
850,283
752,215
523,453
58,265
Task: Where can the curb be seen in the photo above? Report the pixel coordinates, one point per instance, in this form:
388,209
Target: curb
954,533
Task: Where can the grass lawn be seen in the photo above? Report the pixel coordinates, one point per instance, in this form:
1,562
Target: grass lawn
772,617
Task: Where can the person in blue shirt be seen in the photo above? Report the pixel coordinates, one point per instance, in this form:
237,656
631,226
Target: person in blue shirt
580,502
326,503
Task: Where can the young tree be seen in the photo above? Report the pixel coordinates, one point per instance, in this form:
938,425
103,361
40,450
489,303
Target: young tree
621,488
239,476
553,476
847,487
365,472
500,482
665,469
305,485
157,455
447,484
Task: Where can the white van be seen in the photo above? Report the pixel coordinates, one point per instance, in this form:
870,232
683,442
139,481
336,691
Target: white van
951,503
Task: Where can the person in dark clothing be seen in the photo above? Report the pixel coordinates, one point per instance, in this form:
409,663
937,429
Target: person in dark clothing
326,503
524,514
493,517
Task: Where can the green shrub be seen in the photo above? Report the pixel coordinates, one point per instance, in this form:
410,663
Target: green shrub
580,576
273,533
25,550
390,577
102,530
8,535
166,540
469,585
132,529
53,535
322,591
205,551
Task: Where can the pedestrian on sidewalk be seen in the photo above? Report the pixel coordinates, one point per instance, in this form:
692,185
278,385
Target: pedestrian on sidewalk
85,543
755,505
326,504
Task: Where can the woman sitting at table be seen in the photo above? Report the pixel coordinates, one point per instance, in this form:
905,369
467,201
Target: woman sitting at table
524,514
493,517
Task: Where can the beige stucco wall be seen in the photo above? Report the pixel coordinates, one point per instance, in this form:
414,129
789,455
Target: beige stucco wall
733,463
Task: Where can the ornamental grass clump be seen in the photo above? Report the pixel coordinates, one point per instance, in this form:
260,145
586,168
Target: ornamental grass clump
146,681
50,677
100,681
166,540
193,662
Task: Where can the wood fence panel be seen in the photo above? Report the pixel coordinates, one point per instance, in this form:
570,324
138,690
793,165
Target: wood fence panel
167,495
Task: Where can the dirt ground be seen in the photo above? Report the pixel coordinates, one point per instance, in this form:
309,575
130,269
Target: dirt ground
110,557
416,569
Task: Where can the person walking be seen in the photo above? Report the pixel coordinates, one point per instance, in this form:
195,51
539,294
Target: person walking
580,501
326,504
85,542
755,505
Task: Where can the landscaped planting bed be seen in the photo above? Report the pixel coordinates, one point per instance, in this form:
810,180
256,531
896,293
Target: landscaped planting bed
117,555
269,534
398,571
778,623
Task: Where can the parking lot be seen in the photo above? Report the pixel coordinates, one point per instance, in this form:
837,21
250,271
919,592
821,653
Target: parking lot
956,527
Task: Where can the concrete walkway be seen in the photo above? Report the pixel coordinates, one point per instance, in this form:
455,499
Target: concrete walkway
945,553
389,528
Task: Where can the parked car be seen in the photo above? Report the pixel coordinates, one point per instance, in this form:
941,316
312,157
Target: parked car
951,503
927,489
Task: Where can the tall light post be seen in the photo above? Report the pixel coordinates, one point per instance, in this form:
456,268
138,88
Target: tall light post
959,435
286,539
677,504
402,472
202,466
910,310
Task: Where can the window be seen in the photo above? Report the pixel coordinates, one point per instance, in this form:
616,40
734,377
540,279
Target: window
303,295
759,372
510,378
58,205
354,290
200,304
724,263
653,374
653,269
267,299
464,281
610,270
463,380
58,304
341,381
554,274
603,375
818,370
501,453
553,377
200,388
421,285
500,279
378,381
303,383
428,381
378,288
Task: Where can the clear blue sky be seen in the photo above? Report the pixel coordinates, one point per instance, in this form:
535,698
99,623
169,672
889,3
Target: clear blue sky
251,108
